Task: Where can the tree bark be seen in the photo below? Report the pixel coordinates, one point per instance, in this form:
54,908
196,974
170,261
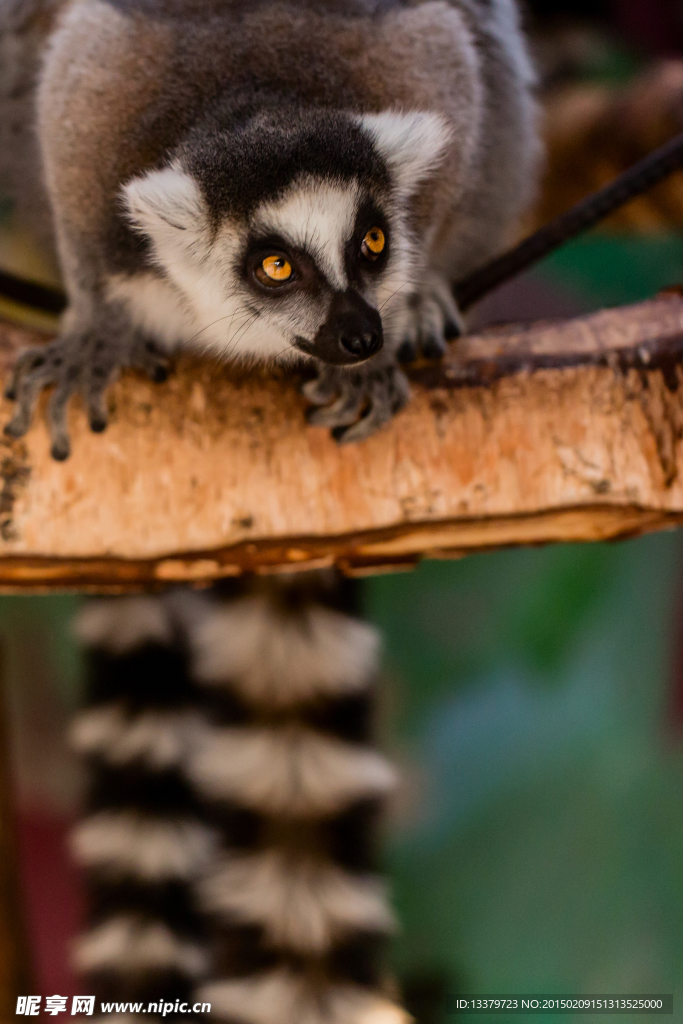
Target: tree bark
567,431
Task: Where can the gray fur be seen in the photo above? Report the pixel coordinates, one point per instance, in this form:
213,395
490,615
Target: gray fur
250,102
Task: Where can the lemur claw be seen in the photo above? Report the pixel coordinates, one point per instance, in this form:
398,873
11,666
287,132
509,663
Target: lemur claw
356,403
74,363
430,318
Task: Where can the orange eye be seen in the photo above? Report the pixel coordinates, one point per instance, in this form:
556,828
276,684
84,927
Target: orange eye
275,270
373,243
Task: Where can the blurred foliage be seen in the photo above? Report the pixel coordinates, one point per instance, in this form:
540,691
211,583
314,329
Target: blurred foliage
49,617
613,269
454,619
540,848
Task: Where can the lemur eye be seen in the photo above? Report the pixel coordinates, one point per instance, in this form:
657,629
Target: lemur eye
274,270
373,243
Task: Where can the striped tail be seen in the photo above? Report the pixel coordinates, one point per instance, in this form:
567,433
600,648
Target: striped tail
233,736
145,840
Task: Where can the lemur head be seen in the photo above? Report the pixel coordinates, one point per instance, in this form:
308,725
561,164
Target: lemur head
287,235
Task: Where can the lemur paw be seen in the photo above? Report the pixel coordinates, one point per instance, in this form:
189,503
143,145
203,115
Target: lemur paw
357,402
426,320
80,363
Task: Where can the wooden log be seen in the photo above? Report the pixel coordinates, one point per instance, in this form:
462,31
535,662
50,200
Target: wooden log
568,431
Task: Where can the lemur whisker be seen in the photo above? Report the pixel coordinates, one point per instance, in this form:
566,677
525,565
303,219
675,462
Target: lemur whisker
241,330
213,323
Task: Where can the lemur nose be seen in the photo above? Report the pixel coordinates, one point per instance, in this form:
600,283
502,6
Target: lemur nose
352,331
361,343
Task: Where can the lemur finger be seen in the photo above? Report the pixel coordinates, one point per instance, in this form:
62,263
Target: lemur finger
323,388
26,396
433,347
432,329
410,333
453,329
391,389
389,392
149,358
341,413
453,323
427,321
407,352
28,360
98,416
56,418
366,425
100,374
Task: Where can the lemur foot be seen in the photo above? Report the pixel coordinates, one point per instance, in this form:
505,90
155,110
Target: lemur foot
74,363
362,399
426,320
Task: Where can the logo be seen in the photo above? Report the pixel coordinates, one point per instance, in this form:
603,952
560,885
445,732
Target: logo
29,1006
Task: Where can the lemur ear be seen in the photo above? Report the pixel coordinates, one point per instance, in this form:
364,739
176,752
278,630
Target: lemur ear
161,204
412,144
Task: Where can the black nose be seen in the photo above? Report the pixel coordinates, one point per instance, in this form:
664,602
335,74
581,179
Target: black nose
360,338
352,331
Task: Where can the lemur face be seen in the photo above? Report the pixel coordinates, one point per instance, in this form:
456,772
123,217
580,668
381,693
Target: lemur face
315,263
311,271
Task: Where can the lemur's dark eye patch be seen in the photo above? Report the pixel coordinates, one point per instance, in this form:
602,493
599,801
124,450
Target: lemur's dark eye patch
272,264
368,249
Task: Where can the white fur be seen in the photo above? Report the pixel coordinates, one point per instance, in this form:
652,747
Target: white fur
281,660
161,739
120,625
318,217
215,313
290,771
124,844
155,306
282,997
412,144
303,904
97,730
129,946
167,205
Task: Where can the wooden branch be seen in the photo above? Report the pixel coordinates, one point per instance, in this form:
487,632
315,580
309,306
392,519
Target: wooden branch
524,435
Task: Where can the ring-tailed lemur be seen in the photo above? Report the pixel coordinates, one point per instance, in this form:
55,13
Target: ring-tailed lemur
229,843
278,180
275,180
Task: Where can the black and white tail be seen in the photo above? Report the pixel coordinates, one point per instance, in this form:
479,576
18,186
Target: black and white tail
146,839
229,843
